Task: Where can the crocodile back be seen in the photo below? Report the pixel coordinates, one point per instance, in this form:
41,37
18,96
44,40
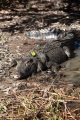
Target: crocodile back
56,55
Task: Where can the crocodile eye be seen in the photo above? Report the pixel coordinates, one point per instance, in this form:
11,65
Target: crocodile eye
28,62
31,60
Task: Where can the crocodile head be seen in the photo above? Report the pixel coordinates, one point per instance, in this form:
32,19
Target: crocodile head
29,65
26,68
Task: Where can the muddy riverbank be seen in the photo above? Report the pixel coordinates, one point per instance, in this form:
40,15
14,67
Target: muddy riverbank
45,91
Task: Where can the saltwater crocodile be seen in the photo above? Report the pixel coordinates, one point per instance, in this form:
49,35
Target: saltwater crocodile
53,53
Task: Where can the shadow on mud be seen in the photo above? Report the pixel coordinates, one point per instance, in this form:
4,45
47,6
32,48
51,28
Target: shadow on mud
35,19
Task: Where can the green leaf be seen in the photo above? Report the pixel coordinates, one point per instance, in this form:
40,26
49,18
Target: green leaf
56,117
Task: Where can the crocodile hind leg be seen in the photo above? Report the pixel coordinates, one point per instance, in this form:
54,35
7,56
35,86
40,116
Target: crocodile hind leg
53,66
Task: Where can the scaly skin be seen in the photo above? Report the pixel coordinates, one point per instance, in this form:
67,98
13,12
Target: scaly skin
51,56
41,62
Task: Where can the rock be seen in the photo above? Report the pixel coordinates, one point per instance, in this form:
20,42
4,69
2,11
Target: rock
73,64
72,71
